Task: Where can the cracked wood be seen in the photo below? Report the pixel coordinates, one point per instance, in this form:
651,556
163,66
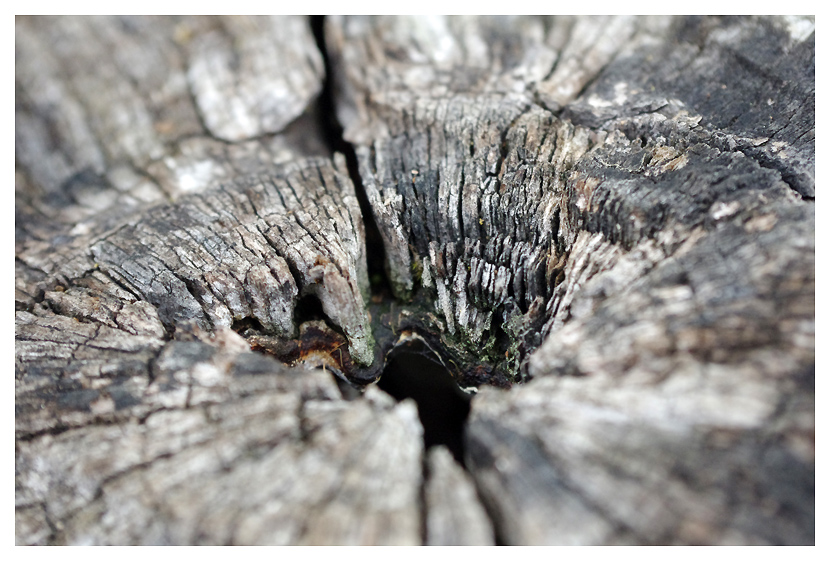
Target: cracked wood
613,215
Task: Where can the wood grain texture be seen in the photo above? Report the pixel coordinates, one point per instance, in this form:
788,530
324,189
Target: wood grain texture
606,224
643,246
454,513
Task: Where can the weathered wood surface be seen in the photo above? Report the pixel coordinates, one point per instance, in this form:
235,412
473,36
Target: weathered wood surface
613,217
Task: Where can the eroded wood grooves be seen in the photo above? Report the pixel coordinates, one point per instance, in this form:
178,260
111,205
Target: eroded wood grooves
611,219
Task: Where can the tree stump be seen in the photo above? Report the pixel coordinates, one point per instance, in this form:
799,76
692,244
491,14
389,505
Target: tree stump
467,280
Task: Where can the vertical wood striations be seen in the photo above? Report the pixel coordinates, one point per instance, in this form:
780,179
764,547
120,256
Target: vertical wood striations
485,153
628,220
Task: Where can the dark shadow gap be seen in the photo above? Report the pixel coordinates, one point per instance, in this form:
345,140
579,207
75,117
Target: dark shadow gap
309,308
333,134
413,371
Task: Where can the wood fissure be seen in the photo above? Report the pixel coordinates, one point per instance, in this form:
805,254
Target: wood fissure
602,227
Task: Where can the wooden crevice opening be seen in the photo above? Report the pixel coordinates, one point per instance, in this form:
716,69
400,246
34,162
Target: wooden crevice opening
333,136
414,371
612,217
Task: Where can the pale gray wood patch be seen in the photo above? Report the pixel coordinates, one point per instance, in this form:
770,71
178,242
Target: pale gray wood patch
454,513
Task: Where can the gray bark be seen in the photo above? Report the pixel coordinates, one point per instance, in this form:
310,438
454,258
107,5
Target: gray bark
606,225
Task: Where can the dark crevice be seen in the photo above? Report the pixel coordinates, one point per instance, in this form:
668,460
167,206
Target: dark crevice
54,430
309,308
788,175
333,135
121,282
247,324
423,507
548,25
413,371
61,427
196,291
